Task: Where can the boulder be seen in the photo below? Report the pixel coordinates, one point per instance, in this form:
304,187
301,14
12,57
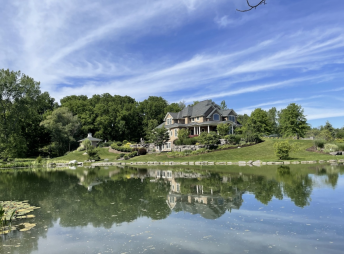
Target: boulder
73,162
336,153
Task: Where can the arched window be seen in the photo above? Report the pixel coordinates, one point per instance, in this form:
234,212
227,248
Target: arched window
216,117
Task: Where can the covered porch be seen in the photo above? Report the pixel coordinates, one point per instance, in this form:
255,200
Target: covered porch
198,128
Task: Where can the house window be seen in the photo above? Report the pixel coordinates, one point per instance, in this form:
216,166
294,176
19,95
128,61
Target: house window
231,118
216,117
178,187
171,133
176,133
203,130
169,121
168,145
192,119
197,118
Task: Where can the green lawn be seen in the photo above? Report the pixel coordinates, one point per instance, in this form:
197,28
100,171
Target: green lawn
263,151
75,155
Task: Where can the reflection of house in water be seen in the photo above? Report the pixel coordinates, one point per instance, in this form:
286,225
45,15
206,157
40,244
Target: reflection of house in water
207,205
199,200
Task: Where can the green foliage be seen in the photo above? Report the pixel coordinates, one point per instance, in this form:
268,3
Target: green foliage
81,148
223,105
223,129
142,151
283,149
319,143
330,148
173,107
340,134
183,135
39,159
209,139
152,108
233,139
93,154
330,129
194,103
272,115
62,126
22,107
258,123
340,147
326,135
121,148
292,121
159,136
108,117
86,144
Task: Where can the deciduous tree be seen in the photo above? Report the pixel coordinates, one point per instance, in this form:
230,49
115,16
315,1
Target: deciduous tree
159,136
292,121
62,126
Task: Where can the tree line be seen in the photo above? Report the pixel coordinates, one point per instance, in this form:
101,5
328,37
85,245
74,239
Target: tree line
32,123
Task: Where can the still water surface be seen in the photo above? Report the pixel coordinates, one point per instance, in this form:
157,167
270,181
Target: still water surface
297,209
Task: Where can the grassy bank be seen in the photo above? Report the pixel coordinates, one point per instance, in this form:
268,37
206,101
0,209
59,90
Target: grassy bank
76,155
263,151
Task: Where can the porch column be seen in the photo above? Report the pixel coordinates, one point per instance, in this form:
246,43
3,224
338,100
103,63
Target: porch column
194,130
208,129
232,130
199,130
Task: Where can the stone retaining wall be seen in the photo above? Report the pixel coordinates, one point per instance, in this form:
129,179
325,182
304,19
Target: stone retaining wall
240,163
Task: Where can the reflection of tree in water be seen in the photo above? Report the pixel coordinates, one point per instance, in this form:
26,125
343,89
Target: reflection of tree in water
297,186
123,195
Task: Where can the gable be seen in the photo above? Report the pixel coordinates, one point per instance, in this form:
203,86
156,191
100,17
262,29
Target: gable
215,111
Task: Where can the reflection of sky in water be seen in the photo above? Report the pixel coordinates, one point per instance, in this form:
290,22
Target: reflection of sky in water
279,227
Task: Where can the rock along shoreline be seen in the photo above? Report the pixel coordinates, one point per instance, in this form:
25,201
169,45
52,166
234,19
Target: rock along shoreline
210,163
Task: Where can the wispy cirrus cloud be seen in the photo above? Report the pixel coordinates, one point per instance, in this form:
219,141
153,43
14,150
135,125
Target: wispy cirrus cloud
175,49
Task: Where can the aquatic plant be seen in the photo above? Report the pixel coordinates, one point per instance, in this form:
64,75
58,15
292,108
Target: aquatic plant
13,210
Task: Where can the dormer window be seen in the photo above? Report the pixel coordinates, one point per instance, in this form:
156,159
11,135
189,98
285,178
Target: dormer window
197,118
231,118
169,121
216,117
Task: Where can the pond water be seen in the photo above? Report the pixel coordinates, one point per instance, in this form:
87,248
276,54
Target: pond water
224,209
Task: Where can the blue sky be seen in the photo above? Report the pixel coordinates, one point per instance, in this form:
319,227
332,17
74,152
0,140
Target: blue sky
283,52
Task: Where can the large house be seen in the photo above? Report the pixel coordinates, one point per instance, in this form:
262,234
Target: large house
203,117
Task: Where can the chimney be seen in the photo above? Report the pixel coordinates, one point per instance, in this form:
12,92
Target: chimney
89,135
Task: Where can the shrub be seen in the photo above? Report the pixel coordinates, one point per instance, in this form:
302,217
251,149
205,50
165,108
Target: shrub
125,142
121,155
142,151
121,148
92,154
341,147
209,139
39,159
319,143
132,154
283,148
330,148
126,157
81,148
233,139
177,142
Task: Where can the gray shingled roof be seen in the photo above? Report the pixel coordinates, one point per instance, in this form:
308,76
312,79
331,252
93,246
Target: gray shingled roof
203,108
